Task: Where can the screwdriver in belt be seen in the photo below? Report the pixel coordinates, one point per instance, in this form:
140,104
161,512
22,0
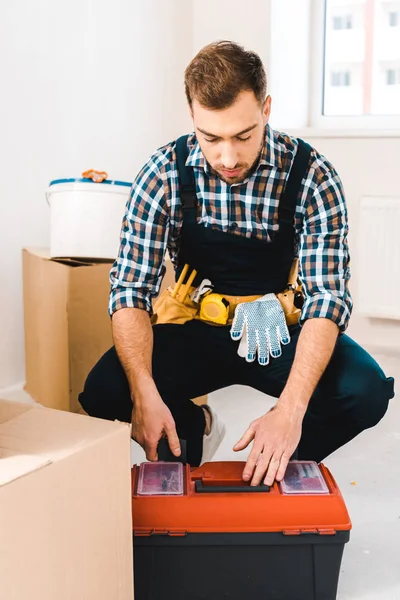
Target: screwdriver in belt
189,282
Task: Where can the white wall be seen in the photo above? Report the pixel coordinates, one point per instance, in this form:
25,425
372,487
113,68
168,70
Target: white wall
241,22
85,84
289,64
366,166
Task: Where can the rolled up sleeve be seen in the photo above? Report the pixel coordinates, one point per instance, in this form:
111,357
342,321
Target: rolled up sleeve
137,273
324,254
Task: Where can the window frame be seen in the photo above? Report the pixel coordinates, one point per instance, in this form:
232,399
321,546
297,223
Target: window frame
390,14
384,123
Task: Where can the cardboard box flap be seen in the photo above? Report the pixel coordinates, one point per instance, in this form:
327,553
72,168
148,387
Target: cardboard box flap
53,434
10,410
14,465
68,261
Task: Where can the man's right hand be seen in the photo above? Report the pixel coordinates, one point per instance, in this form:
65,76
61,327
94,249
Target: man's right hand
151,421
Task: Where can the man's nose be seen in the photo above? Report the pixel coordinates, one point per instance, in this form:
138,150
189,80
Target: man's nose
229,157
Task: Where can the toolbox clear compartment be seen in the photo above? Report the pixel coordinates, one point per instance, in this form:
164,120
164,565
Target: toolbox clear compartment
160,479
303,477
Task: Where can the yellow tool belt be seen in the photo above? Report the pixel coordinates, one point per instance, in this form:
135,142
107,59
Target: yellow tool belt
176,306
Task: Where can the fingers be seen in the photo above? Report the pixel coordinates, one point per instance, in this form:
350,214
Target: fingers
262,467
245,440
265,466
272,469
150,447
251,344
283,466
238,323
274,342
263,349
251,463
173,440
284,333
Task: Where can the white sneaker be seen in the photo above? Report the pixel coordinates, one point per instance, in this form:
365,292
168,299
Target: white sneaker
212,441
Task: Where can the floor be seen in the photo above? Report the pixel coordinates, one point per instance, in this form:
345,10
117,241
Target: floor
368,473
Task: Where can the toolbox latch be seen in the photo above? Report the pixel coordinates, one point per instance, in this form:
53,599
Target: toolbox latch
326,532
160,532
309,532
171,533
142,532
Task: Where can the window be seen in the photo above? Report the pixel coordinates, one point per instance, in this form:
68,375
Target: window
392,76
361,69
394,19
342,22
340,78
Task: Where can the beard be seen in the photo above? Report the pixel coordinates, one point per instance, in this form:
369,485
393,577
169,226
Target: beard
248,169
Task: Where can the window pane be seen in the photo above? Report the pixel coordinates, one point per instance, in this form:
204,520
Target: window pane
362,57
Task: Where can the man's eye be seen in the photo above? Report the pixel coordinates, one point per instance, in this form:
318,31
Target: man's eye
240,139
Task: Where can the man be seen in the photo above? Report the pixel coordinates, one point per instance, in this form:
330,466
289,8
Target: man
259,199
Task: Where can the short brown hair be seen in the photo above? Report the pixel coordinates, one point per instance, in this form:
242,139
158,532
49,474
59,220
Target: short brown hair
220,71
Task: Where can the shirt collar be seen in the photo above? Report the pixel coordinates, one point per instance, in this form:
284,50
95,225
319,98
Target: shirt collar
196,157
270,155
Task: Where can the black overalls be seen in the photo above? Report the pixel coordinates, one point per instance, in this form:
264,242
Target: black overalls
196,358
237,265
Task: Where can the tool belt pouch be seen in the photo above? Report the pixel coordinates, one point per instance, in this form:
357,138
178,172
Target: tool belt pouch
171,310
292,313
292,298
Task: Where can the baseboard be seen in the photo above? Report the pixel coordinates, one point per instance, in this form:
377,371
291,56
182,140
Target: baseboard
17,387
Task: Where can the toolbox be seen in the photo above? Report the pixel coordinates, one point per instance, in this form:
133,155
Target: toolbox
205,533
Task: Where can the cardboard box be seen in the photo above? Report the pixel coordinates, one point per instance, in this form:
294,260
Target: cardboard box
65,506
67,327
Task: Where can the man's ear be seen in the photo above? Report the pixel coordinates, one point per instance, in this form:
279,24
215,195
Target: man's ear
267,109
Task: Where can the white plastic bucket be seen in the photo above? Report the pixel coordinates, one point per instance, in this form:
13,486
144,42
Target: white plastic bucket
86,217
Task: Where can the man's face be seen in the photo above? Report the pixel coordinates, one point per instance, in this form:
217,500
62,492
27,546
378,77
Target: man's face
232,139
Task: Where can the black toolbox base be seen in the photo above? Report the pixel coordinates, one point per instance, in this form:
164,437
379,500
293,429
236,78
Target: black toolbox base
238,566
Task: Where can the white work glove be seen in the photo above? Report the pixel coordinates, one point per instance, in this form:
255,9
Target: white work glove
261,326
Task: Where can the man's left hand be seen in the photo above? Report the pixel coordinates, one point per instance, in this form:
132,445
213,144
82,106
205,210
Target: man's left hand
276,436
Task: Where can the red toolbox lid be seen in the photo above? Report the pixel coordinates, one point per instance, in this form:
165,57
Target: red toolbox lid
214,498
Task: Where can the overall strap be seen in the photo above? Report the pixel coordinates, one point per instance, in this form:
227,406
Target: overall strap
187,185
288,201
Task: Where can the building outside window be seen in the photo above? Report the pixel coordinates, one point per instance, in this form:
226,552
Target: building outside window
362,58
342,22
394,19
340,78
392,76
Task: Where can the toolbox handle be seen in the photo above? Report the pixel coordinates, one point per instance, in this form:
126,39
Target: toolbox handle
230,489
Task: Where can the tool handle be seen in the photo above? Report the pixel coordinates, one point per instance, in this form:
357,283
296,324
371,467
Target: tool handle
230,489
180,281
188,284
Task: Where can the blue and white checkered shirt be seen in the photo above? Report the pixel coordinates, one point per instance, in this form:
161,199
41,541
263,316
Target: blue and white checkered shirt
153,220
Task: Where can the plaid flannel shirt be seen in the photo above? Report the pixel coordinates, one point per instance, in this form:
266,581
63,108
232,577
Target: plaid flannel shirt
153,219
